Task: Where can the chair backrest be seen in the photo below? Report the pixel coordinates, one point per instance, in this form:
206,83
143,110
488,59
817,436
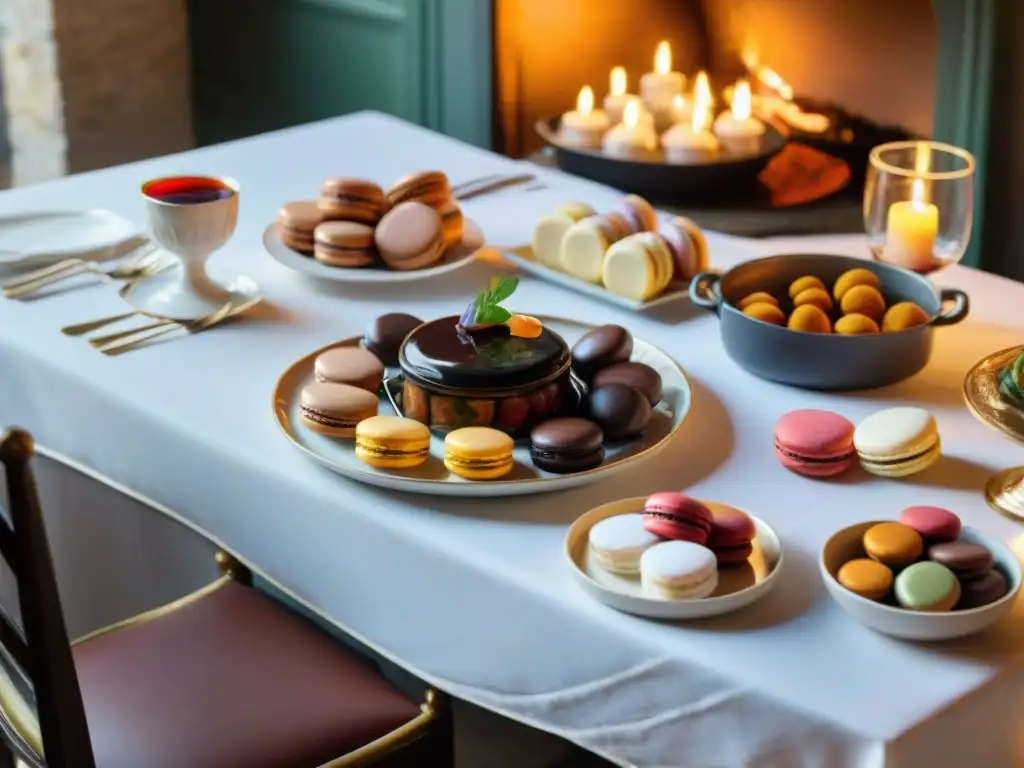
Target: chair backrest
41,650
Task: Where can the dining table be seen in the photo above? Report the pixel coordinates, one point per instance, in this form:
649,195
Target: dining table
475,595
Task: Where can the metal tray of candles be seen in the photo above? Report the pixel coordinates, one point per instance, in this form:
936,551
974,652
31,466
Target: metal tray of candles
659,180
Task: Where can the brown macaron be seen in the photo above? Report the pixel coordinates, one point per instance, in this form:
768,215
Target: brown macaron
344,244
296,222
639,213
451,222
410,236
427,187
351,200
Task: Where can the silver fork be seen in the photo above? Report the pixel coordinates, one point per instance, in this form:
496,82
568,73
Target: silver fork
227,311
143,263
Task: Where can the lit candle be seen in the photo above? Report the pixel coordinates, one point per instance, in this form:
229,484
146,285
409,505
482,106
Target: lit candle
692,142
682,110
738,130
702,90
634,137
584,126
911,231
660,87
618,95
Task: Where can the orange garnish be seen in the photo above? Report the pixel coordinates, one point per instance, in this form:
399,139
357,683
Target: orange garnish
524,326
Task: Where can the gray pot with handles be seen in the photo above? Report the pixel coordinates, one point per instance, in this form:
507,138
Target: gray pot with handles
816,360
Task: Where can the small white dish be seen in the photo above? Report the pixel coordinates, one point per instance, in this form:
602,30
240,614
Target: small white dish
434,479
845,545
38,239
525,260
738,586
458,256
159,296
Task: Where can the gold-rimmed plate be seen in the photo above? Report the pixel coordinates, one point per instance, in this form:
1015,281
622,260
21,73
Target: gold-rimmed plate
738,586
434,479
981,391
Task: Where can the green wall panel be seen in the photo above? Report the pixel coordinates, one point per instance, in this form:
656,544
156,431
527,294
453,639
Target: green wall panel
259,65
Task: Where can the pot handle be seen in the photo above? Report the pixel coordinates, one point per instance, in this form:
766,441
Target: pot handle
704,291
961,307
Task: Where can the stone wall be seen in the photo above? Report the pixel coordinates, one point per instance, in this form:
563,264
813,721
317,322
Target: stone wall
93,84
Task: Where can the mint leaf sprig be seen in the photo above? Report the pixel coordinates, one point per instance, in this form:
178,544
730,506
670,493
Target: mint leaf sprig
486,309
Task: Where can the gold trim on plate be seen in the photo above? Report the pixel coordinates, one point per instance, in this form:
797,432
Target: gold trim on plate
304,366
1004,492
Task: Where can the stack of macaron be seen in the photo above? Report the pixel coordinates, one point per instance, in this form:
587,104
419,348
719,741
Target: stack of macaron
623,249
854,307
675,546
893,442
920,563
620,398
355,223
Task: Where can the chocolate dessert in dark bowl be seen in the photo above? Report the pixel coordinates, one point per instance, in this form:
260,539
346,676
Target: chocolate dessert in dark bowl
454,378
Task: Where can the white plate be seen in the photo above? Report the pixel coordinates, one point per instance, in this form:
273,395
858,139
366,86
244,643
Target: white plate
45,237
525,260
156,295
458,256
738,586
898,622
433,478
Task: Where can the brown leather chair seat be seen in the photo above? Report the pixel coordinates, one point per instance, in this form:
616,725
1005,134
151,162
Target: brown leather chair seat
230,679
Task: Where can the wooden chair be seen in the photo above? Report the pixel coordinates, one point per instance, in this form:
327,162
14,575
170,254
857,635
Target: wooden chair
222,678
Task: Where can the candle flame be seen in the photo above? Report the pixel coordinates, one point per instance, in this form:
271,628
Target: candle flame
917,192
618,81
741,100
774,80
701,113
631,114
750,56
585,101
678,103
663,58
702,90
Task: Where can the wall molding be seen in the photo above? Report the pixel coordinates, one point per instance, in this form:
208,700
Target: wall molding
968,45
458,70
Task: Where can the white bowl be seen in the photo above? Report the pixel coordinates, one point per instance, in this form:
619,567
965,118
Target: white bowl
846,545
737,588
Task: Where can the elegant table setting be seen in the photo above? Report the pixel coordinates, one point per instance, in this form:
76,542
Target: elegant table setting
475,594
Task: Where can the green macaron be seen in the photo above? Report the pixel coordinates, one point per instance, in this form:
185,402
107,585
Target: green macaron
927,586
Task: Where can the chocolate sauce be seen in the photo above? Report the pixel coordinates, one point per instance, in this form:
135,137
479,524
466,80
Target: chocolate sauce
441,352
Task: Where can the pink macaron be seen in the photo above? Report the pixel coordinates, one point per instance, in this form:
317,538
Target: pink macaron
933,523
815,443
732,534
674,515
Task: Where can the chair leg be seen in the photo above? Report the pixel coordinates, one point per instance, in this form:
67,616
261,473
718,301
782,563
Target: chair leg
229,566
442,731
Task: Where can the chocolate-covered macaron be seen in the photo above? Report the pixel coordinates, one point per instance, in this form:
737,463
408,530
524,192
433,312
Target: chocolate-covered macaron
637,375
620,410
981,590
385,334
964,558
599,348
567,445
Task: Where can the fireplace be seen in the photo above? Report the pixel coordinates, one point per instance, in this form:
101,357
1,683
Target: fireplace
873,59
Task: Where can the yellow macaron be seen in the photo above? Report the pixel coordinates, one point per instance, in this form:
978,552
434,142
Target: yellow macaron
478,453
392,442
638,267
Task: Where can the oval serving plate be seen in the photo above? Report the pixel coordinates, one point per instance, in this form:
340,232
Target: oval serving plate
737,588
458,256
434,479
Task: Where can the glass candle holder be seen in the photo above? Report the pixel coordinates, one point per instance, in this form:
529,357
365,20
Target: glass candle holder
919,204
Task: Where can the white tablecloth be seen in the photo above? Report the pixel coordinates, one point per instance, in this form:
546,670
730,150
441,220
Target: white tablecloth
474,595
